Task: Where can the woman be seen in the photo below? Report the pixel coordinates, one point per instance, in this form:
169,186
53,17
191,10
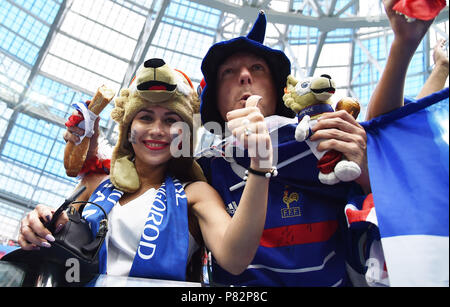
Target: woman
152,197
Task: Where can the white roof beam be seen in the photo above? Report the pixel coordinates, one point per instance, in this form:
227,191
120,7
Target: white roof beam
315,60
323,24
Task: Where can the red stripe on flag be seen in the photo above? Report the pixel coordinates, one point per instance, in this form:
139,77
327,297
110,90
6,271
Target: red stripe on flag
298,234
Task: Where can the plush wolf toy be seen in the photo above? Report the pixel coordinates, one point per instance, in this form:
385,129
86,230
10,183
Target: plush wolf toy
310,98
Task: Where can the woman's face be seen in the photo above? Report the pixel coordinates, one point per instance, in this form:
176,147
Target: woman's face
150,134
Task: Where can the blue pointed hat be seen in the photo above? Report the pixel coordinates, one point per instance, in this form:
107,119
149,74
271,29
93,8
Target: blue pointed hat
279,65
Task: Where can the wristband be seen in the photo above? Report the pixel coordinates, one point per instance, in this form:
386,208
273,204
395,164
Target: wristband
272,173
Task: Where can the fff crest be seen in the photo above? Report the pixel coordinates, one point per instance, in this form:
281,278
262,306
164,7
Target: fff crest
290,199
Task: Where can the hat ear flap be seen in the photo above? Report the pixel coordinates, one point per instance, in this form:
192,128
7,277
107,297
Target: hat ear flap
124,175
123,172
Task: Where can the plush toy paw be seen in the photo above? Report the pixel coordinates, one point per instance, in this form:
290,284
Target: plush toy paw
302,130
347,170
329,178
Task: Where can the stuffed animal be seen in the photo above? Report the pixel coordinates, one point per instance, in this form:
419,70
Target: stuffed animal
310,98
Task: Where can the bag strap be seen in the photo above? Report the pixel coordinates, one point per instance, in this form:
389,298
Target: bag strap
51,225
92,203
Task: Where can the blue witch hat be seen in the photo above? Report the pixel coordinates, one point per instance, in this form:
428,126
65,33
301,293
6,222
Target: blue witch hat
258,31
277,61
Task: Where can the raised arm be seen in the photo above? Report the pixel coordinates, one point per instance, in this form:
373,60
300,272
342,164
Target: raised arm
388,94
439,74
33,234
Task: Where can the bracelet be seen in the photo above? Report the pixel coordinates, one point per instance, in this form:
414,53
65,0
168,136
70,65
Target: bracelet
272,173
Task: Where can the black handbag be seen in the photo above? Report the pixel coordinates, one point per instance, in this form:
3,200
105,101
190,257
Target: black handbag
72,259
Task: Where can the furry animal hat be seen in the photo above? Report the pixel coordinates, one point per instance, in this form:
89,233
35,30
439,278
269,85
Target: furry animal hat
155,84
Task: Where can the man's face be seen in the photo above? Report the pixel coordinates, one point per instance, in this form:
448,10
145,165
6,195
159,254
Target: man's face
241,76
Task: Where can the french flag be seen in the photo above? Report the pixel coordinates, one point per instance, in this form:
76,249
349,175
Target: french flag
408,160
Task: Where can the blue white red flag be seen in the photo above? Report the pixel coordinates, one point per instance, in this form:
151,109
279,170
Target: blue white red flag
408,158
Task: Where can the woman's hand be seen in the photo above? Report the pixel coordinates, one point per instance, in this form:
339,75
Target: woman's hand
33,233
248,126
72,134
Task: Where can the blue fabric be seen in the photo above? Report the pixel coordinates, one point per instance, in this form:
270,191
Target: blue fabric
77,107
408,157
408,161
163,249
258,31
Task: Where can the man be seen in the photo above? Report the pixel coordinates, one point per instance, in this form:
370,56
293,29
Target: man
303,239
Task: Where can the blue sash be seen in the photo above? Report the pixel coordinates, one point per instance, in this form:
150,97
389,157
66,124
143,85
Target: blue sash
163,249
